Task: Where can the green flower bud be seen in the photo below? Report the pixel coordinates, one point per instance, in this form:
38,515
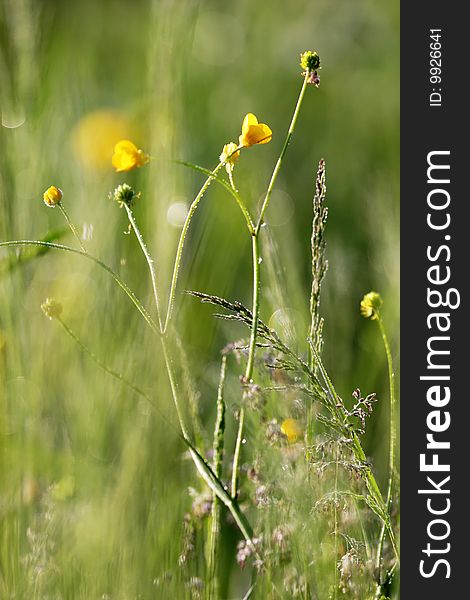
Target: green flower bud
51,308
370,305
309,61
124,194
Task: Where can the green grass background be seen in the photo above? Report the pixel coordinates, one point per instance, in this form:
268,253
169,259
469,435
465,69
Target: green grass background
186,73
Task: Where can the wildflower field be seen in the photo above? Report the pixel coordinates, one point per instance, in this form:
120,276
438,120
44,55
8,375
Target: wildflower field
199,208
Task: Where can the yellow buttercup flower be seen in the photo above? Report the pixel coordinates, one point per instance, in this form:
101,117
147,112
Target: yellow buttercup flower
229,156
52,196
127,156
370,306
291,429
254,132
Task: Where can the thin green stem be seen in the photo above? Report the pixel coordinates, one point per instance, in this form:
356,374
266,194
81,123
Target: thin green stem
257,286
203,468
218,450
236,454
230,188
392,441
101,364
335,560
73,229
174,389
149,260
370,481
179,251
277,168
112,372
250,361
126,289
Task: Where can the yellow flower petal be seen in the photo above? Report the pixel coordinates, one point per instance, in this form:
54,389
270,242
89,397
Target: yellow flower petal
266,134
254,132
370,306
249,120
52,196
229,156
127,156
291,429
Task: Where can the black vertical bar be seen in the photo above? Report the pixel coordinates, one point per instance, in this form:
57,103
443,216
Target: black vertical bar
434,123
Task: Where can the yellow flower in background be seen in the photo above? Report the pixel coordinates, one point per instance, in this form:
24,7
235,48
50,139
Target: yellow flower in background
291,429
370,305
96,134
230,156
127,156
52,196
254,132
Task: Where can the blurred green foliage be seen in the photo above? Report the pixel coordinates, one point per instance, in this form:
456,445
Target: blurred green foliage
181,75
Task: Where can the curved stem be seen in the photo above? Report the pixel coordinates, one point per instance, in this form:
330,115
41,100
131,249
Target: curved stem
277,168
179,251
101,364
392,442
149,260
206,472
212,480
230,188
256,284
174,390
126,289
112,372
218,452
251,359
73,229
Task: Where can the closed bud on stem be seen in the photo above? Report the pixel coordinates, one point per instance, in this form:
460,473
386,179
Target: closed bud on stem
52,196
370,306
124,194
310,63
51,308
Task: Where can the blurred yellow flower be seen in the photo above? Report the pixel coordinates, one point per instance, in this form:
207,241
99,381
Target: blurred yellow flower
96,134
127,156
52,196
291,429
370,305
254,132
229,156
